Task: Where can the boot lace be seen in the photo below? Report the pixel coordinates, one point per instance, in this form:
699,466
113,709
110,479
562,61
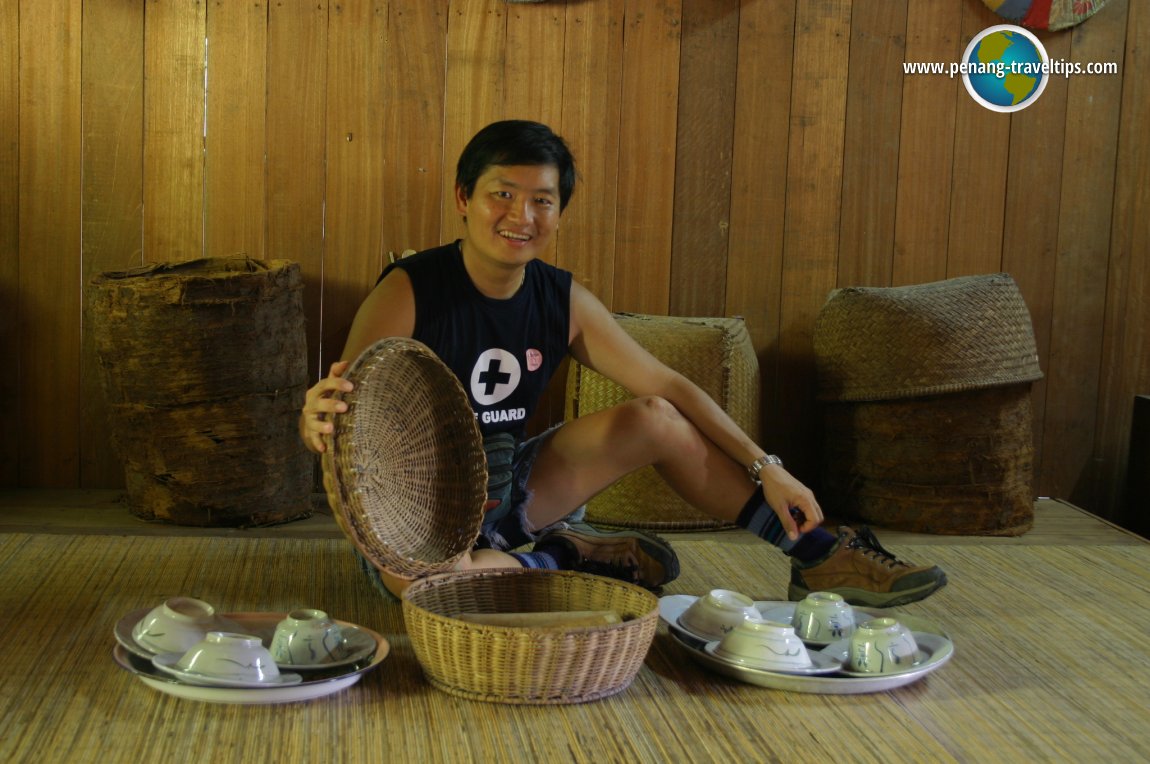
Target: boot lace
866,542
622,571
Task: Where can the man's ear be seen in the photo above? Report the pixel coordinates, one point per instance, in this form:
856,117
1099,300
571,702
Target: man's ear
461,200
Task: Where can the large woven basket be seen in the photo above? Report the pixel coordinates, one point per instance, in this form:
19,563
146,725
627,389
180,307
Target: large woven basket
714,353
405,471
928,419
888,343
204,367
521,665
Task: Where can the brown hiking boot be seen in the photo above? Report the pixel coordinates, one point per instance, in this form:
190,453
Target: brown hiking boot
864,573
632,556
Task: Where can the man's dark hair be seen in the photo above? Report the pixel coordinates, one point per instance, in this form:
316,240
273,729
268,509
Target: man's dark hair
516,142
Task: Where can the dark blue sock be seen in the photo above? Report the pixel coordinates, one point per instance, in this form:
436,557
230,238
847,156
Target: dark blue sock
758,518
536,560
813,545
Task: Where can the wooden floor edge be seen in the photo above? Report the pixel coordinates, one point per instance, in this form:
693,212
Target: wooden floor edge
103,512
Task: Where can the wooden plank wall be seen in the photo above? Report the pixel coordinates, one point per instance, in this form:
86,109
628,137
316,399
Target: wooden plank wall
737,157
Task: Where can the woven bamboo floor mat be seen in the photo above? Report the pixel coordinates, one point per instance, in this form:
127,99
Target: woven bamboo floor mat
1050,665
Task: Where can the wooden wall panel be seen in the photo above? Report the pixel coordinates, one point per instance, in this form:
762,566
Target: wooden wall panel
1030,223
978,184
296,143
10,223
926,144
48,359
708,61
759,191
173,158
1084,224
589,123
332,131
353,223
810,250
1126,347
112,104
533,65
871,142
414,80
647,155
592,86
476,33
235,214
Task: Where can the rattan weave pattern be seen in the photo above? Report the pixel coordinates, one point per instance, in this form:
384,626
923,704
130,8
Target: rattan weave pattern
522,665
404,470
888,343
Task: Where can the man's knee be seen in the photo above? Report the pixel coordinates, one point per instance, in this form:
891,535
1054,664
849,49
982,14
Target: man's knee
653,413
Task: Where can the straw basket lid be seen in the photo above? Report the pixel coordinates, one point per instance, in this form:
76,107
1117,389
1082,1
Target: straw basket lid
404,471
887,343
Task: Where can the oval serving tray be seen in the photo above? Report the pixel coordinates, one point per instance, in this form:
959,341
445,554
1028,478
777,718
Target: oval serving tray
313,686
941,650
361,643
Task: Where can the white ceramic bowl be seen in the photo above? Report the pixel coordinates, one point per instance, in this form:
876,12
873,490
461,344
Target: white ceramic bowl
765,645
717,613
823,617
307,637
882,646
174,626
230,657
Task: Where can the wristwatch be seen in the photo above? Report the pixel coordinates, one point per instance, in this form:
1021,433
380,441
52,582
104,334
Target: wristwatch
757,466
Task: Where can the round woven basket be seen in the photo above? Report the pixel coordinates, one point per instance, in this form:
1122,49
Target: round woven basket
528,665
405,471
889,343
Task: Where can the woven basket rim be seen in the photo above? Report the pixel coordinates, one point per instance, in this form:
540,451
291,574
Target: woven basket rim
198,268
464,577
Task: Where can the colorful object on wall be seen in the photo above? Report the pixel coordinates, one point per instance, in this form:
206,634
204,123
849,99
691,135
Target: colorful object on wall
1046,14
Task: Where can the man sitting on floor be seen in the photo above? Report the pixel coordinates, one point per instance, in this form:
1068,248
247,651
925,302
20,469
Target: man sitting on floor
503,319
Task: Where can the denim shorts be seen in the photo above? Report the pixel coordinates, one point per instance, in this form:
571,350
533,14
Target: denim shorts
505,526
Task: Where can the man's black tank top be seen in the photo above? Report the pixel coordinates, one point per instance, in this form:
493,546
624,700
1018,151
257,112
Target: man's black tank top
503,351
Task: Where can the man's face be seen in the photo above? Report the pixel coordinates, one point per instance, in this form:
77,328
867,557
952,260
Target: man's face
512,213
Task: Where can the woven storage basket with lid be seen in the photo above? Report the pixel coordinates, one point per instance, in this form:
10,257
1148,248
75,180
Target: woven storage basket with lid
406,477
928,419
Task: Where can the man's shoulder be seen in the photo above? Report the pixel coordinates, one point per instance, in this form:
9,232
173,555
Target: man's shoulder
423,261
549,273
441,252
